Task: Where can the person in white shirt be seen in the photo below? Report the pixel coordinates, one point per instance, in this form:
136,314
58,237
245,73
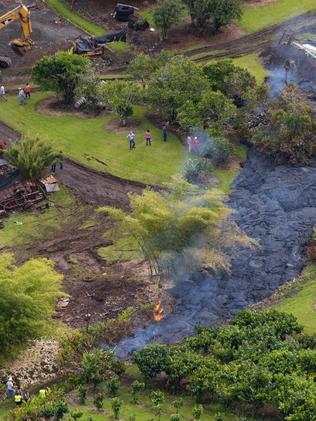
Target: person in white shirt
2,93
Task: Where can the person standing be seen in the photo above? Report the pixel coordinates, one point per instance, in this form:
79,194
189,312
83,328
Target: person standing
164,132
27,91
148,137
10,388
189,143
131,138
61,160
53,168
18,398
196,145
21,96
2,93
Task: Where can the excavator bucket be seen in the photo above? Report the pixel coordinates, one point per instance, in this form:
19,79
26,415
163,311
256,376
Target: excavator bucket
18,46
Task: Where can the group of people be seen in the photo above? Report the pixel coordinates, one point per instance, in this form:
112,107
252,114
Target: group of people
24,93
17,394
193,144
132,141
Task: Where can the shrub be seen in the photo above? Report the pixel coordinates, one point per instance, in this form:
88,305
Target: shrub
166,14
197,412
82,391
152,359
112,386
136,388
61,73
31,156
76,414
98,401
116,407
195,168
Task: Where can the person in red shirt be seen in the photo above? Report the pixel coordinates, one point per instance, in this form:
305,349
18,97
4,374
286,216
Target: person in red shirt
27,91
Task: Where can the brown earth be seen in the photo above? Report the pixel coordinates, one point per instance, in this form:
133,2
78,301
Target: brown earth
94,286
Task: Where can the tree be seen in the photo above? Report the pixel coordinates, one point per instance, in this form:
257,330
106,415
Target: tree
213,111
116,407
213,13
157,398
288,132
112,386
178,230
152,360
31,156
98,401
28,295
178,72
61,73
197,412
233,81
120,95
142,67
90,90
136,388
94,366
166,14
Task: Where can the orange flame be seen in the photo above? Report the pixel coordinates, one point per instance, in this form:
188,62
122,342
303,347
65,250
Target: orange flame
158,311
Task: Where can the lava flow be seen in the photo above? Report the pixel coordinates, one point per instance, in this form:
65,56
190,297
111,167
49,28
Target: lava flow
158,311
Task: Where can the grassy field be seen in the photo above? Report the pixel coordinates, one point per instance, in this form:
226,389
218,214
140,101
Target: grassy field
81,139
62,9
300,299
256,18
23,228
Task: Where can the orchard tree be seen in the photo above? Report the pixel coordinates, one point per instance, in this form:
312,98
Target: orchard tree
31,156
213,111
120,95
233,81
142,67
212,14
180,80
28,295
61,73
166,14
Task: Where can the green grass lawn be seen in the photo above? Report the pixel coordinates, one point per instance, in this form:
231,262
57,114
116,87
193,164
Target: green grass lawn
252,63
300,299
256,18
62,9
23,228
86,139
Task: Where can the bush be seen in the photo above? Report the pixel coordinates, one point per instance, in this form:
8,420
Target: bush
98,401
31,156
195,168
152,360
116,407
136,388
112,386
61,73
218,150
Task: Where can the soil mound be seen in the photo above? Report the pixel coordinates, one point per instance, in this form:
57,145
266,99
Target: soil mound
275,205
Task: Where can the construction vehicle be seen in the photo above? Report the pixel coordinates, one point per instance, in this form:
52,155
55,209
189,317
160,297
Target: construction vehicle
19,45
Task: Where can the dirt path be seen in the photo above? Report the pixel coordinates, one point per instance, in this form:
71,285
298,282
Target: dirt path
97,188
253,42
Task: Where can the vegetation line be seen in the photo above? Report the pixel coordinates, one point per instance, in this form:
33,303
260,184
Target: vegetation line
76,20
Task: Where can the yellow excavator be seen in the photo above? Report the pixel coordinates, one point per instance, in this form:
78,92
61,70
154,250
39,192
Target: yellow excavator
19,45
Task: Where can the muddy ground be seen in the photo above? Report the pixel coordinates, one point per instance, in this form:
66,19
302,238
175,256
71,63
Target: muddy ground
50,34
94,286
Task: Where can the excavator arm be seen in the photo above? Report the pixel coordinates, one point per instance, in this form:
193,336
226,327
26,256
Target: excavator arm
23,44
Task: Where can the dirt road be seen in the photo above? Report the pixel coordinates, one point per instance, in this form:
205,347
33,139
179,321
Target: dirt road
255,42
95,187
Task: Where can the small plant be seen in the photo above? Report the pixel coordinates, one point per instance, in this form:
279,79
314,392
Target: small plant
175,417
112,386
136,388
157,399
82,393
76,414
132,418
197,412
178,404
116,407
218,417
98,401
